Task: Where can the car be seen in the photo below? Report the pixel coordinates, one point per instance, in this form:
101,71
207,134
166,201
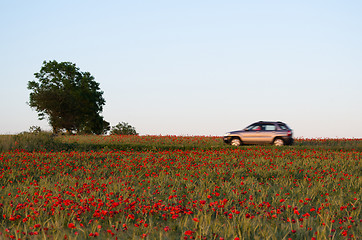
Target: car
262,132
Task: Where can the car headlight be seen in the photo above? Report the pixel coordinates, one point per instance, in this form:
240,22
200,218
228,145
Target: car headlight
226,134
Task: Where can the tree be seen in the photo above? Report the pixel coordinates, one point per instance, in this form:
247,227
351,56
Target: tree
71,100
123,128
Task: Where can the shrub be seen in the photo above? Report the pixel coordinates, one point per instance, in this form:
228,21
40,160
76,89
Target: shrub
123,128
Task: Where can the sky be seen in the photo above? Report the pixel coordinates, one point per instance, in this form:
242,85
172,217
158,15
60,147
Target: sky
193,67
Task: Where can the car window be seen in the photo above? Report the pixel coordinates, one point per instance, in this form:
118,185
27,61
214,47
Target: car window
283,126
248,128
254,128
269,127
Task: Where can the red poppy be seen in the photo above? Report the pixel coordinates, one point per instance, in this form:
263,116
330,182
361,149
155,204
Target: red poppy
71,225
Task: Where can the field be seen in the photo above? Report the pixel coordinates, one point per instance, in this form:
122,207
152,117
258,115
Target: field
173,187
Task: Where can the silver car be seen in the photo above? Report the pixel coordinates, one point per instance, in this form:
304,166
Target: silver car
262,132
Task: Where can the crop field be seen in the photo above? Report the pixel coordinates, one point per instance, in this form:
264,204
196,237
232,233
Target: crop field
169,187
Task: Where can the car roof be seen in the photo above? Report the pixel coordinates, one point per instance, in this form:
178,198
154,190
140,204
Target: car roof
270,122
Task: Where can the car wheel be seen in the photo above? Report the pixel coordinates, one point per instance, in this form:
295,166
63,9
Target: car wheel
278,142
235,142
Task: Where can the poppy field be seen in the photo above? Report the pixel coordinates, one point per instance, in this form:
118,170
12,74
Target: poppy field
198,192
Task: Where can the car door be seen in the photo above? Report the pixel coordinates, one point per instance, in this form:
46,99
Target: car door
252,134
267,133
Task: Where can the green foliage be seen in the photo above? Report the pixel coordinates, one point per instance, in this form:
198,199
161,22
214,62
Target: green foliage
71,100
123,128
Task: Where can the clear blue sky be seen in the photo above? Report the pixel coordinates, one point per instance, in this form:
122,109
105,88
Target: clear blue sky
193,67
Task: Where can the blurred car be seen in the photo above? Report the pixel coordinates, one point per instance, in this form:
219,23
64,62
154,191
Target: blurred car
262,132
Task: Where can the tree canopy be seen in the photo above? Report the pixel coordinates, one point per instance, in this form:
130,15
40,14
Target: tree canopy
71,100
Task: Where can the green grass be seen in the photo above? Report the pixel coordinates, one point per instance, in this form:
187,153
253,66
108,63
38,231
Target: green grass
250,193
177,187
45,141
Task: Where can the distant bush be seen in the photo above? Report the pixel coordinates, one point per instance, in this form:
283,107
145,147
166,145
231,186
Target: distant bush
123,128
35,129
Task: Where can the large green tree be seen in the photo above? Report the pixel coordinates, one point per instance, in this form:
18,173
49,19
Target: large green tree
71,100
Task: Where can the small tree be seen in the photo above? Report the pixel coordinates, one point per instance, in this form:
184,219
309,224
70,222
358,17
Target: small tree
123,128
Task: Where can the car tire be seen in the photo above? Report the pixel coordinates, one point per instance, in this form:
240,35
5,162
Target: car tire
278,142
235,142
